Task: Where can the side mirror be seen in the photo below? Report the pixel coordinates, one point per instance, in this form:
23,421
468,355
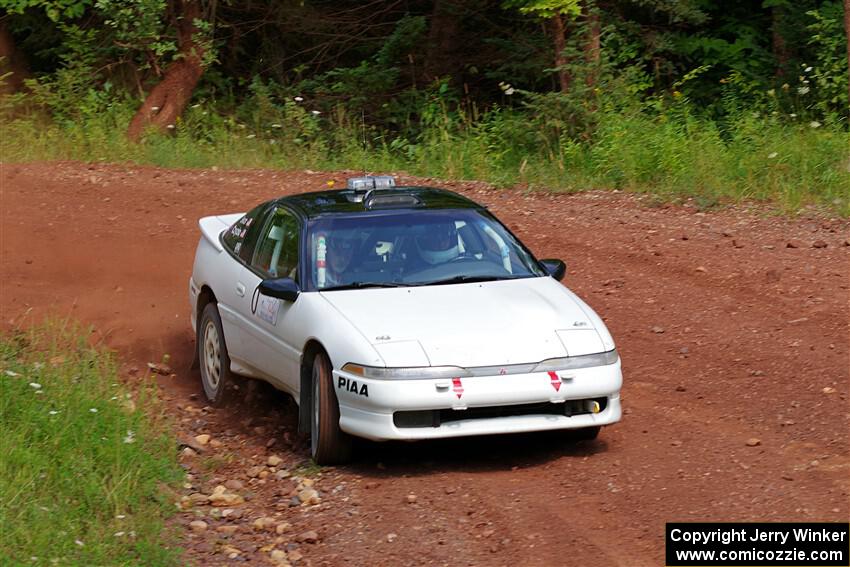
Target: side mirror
555,268
281,288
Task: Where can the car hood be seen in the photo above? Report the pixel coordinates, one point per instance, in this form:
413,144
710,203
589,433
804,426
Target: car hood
472,324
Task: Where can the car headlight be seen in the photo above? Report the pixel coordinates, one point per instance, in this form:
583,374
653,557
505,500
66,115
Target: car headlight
412,373
582,361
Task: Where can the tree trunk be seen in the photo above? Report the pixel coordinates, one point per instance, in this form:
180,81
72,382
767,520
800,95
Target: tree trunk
780,46
167,100
443,39
559,32
592,49
13,64
847,32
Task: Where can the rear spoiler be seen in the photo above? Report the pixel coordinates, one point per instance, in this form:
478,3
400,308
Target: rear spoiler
212,227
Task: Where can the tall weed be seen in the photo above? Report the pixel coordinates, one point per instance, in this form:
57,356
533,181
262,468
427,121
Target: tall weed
659,147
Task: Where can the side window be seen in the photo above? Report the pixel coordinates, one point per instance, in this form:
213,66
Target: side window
276,254
240,237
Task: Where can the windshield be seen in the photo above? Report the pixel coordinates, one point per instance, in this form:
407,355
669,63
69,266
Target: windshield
392,249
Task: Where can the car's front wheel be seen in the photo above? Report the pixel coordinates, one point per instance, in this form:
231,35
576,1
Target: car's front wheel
587,433
212,354
329,445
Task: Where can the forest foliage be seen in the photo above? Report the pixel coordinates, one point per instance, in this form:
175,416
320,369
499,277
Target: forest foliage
703,98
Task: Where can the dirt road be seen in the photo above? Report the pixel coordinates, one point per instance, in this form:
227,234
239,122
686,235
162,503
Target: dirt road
732,327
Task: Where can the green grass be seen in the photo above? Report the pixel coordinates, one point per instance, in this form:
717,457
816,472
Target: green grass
779,160
86,463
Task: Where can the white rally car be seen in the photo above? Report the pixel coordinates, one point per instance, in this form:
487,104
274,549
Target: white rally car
397,313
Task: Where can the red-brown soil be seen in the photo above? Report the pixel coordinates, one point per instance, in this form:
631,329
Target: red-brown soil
731,325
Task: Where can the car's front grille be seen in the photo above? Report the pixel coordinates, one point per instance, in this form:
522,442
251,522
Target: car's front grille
437,417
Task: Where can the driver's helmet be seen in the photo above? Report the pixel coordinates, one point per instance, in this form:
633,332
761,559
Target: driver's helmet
342,244
438,243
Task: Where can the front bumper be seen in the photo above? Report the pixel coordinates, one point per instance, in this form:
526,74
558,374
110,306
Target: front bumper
367,407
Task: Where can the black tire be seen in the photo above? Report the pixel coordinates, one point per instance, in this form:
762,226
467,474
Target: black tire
329,445
216,377
587,433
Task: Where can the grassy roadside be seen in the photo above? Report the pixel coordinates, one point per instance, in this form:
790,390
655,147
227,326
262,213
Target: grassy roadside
786,162
84,461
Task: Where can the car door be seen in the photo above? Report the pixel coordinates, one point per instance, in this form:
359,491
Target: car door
233,300
271,343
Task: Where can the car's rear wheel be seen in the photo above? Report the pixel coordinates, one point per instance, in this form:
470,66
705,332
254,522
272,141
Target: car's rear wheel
329,445
216,377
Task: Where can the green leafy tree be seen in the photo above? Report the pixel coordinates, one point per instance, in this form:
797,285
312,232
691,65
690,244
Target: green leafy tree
56,10
559,14
829,73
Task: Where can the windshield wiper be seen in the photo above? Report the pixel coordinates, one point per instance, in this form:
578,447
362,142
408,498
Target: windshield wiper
363,285
469,279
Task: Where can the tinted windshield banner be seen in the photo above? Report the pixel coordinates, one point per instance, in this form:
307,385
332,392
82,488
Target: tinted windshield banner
757,544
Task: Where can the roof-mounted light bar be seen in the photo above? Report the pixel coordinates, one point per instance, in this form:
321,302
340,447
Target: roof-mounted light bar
371,182
384,201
